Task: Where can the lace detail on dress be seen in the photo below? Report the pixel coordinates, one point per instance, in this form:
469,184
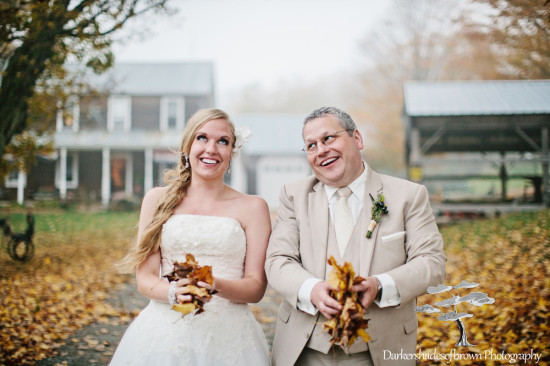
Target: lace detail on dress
226,333
215,241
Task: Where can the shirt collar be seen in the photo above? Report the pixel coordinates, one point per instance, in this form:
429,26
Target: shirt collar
357,186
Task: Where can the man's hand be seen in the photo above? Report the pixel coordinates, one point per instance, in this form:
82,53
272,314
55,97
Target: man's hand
367,290
320,297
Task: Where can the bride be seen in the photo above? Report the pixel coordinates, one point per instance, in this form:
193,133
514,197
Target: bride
197,213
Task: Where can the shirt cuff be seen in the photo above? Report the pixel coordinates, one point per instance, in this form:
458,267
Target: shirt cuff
390,295
304,296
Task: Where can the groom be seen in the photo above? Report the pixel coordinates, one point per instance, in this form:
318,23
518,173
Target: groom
328,214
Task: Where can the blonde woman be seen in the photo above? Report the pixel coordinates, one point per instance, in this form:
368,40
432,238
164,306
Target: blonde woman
197,213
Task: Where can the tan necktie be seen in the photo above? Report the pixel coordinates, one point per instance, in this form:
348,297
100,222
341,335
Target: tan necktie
343,219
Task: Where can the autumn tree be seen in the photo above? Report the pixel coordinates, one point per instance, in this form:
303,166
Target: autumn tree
518,32
37,39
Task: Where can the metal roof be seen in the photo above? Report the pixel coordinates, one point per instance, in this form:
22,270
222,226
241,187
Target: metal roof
455,98
184,78
272,133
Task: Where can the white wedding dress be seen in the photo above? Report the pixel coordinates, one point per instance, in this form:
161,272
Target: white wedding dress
226,333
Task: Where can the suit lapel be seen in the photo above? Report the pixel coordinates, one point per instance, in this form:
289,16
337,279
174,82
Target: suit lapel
319,223
373,186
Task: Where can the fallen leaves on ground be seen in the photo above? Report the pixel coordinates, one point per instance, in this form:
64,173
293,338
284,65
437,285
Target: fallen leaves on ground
510,259
349,324
63,288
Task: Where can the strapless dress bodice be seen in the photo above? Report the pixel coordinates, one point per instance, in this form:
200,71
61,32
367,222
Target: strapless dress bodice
216,241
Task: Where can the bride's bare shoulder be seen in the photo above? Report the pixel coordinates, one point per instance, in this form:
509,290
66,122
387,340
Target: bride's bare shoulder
251,206
153,196
155,193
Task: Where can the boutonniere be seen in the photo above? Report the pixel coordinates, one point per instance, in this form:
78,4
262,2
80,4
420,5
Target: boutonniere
378,208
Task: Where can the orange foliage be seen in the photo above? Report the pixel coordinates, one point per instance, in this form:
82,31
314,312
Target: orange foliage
349,324
191,270
510,259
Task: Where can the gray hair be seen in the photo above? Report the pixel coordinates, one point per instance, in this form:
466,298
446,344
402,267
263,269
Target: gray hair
343,118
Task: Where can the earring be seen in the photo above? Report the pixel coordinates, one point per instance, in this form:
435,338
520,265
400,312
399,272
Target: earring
229,168
185,159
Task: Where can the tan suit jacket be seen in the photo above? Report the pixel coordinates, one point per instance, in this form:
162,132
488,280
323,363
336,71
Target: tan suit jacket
297,251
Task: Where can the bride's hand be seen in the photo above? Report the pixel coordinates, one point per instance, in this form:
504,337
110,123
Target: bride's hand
181,291
206,285
211,289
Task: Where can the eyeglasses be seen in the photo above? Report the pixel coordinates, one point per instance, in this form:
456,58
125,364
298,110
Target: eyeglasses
312,147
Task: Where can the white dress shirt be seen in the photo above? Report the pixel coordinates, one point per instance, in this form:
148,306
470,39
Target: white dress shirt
390,295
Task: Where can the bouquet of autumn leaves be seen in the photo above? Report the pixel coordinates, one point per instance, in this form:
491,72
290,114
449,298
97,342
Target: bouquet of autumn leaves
191,270
349,324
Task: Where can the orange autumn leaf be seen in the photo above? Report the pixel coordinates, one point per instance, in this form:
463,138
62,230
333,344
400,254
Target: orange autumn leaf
203,274
349,324
361,332
197,291
184,309
195,273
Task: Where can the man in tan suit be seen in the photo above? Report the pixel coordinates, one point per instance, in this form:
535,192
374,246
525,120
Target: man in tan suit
319,217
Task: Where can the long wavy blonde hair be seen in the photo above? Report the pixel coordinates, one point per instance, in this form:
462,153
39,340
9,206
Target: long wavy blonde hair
177,180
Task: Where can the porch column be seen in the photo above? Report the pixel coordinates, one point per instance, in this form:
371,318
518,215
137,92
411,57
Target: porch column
148,184
238,173
63,173
129,183
106,177
21,178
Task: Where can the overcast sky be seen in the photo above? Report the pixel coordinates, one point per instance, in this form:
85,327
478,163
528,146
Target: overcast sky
258,41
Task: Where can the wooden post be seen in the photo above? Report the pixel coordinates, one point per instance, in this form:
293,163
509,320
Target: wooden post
413,164
503,177
545,163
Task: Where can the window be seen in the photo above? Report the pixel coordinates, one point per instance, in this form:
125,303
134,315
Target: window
68,115
93,113
145,113
119,113
13,177
172,114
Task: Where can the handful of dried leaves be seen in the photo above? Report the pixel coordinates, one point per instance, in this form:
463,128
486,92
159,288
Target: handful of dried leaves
191,270
349,324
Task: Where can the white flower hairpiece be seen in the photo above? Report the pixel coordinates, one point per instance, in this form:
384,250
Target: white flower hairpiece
242,134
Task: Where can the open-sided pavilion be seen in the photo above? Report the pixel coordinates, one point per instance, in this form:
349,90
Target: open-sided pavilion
500,121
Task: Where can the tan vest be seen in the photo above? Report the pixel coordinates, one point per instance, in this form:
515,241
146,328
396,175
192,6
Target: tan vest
320,340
